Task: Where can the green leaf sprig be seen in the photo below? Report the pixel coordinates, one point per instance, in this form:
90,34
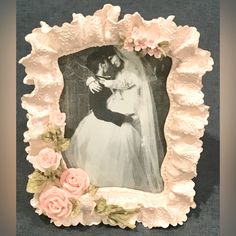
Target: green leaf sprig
54,136
114,214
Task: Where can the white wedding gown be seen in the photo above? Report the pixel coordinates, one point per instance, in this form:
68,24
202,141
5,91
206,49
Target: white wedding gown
120,156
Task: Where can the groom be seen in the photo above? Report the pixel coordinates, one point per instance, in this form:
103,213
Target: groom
102,68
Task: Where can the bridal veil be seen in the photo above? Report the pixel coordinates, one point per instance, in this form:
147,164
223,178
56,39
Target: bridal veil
152,146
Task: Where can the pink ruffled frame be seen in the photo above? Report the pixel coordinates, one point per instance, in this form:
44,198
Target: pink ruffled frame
184,125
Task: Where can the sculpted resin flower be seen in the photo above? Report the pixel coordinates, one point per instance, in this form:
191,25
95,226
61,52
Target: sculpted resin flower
140,44
128,44
75,181
54,202
46,159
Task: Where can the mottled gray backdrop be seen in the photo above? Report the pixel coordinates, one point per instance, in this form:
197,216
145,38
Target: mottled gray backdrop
203,14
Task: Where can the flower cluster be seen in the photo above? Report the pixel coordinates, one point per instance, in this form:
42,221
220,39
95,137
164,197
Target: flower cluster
66,196
57,202
140,41
57,188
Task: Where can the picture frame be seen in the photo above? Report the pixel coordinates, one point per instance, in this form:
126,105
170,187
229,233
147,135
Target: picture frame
83,203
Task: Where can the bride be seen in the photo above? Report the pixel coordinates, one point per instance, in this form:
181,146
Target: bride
126,155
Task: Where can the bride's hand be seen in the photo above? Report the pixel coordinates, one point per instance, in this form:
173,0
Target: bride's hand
106,83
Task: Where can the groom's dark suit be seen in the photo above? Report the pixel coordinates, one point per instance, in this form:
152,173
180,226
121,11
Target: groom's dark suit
98,104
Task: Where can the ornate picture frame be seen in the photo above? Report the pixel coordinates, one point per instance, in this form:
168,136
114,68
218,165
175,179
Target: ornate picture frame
65,194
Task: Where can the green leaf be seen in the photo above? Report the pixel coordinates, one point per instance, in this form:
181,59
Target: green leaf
114,214
92,189
48,173
36,182
62,145
54,136
100,206
75,208
164,44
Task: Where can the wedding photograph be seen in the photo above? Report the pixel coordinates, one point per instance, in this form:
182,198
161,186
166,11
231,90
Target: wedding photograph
116,104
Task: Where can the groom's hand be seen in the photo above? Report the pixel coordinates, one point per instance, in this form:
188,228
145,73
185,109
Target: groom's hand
95,87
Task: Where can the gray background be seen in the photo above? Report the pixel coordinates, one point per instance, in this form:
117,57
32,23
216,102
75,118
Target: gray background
203,14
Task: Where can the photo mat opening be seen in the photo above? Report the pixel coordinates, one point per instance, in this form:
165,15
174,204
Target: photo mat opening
149,82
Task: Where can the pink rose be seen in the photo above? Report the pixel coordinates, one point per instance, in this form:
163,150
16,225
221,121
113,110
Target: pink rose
128,44
54,202
151,43
156,52
46,159
140,44
75,181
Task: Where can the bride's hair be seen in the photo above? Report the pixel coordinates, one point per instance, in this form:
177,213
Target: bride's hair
93,61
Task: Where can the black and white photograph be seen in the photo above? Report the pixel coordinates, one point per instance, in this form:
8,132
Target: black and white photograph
116,105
